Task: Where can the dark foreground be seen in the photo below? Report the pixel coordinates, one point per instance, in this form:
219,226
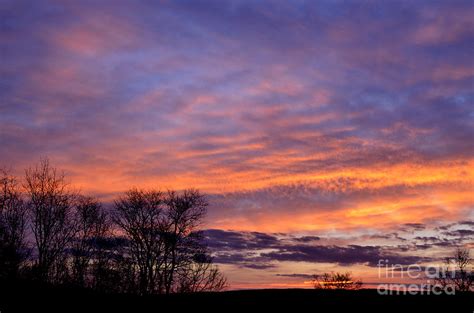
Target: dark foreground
45,299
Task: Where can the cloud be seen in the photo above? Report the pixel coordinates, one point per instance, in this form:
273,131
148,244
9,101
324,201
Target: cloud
344,256
296,275
307,238
414,226
460,233
343,203
265,251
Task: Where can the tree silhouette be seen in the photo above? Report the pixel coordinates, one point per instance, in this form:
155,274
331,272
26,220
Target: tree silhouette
164,241
92,226
50,206
336,280
200,275
13,250
139,215
149,244
458,271
184,213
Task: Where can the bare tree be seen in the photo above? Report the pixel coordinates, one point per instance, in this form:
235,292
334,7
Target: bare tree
13,250
112,270
184,215
92,226
458,272
165,244
139,215
336,280
50,205
200,275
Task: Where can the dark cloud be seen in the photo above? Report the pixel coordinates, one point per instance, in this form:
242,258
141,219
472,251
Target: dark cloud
305,276
460,233
307,238
349,255
414,226
258,250
469,223
243,260
229,240
459,224
424,238
250,249
394,235
257,266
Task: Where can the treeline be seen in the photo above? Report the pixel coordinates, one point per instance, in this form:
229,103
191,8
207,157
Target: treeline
149,242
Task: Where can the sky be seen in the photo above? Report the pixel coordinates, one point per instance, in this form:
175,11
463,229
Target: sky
326,134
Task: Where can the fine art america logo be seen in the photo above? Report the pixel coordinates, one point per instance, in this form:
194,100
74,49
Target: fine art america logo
437,279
